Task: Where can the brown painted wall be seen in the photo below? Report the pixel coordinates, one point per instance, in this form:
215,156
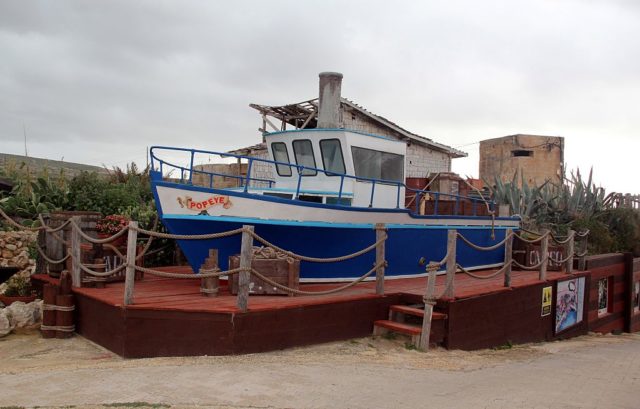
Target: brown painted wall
546,160
612,268
512,315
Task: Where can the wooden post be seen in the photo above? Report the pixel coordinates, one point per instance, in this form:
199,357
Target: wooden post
508,255
582,260
130,276
211,284
428,311
245,262
380,233
76,252
544,255
570,250
452,236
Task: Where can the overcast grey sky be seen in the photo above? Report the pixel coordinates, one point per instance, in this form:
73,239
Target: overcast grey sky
98,81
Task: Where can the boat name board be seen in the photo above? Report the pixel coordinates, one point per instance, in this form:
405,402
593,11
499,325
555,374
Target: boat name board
213,200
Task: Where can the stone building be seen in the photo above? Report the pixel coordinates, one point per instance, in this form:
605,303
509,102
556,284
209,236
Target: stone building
536,157
424,156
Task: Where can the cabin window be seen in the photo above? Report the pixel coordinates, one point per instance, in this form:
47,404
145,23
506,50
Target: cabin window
303,151
378,165
280,154
332,159
519,153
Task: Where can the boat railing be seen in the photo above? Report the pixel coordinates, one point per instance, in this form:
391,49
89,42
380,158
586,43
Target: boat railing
246,181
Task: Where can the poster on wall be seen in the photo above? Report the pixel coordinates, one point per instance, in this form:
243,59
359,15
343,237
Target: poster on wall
569,303
603,296
636,297
546,301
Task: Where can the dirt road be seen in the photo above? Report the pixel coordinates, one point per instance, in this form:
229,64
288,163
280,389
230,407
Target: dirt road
587,372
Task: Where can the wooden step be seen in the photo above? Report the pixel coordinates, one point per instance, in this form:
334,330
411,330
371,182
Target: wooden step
397,327
407,310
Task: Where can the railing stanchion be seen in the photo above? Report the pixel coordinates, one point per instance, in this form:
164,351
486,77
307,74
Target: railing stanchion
76,251
245,265
299,182
130,276
544,255
246,183
398,197
452,236
373,189
191,168
381,231
340,191
570,251
428,309
508,255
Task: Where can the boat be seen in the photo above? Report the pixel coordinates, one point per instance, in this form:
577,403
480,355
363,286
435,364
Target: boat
330,188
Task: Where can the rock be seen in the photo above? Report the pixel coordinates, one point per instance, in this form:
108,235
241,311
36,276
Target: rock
24,315
5,322
11,247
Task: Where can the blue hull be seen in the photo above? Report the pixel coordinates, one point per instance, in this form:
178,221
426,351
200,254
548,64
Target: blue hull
404,247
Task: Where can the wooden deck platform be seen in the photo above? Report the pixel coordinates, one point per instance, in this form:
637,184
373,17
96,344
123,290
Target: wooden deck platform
170,317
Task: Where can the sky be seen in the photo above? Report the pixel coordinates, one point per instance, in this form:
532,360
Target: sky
98,82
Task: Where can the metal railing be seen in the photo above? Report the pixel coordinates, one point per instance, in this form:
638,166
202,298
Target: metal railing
186,177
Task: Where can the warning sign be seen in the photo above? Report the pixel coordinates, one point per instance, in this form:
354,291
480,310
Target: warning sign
546,301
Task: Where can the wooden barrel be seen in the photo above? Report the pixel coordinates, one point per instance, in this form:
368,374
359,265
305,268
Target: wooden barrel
56,249
49,294
64,318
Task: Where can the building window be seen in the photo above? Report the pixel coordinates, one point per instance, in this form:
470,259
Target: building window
280,154
303,151
519,153
378,165
332,159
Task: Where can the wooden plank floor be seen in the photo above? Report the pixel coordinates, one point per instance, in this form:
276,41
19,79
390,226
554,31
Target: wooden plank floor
154,293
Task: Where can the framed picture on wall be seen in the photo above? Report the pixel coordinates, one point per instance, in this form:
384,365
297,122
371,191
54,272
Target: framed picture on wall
569,303
636,297
603,296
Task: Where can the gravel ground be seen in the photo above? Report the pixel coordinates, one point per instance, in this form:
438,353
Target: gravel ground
591,371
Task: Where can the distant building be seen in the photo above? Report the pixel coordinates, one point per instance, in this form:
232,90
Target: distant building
538,158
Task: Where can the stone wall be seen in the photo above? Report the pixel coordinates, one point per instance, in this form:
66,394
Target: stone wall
14,252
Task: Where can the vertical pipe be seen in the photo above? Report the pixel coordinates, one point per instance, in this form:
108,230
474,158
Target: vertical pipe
245,263
246,183
544,255
398,197
130,276
380,257
341,185
373,189
299,182
508,255
452,236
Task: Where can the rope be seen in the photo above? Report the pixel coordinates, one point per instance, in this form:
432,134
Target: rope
148,245
523,267
476,247
482,277
555,240
326,292
316,259
189,236
584,253
94,240
102,273
50,229
51,307
51,261
61,328
116,251
204,273
18,225
60,239
531,241
583,234
564,260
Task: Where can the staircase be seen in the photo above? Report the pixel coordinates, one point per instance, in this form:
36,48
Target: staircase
407,320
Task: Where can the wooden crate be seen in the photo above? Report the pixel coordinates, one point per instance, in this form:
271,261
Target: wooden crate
280,270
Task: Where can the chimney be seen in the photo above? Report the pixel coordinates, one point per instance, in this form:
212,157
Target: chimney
329,104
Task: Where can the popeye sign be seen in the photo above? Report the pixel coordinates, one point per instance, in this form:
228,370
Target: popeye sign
200,205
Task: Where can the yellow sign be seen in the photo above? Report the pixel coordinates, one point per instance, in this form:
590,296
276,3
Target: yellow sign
546,301
200,205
